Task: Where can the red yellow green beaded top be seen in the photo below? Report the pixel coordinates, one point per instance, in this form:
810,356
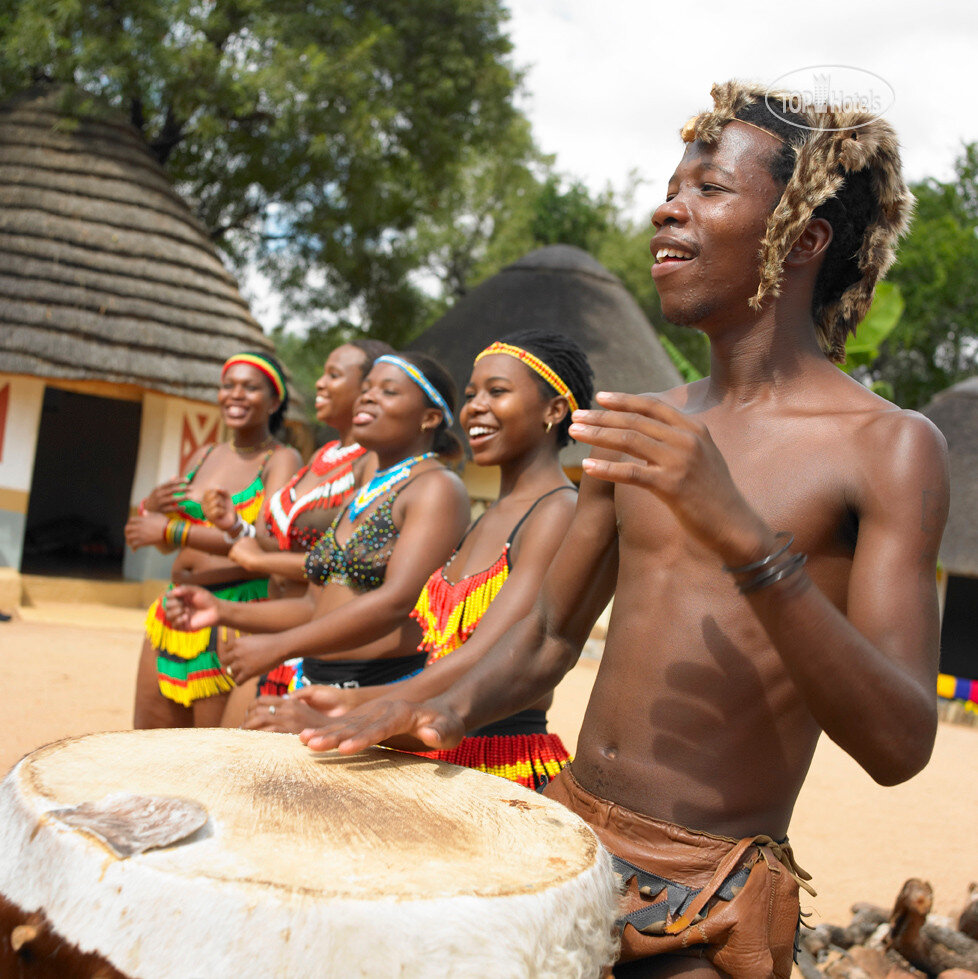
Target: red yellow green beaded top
247,502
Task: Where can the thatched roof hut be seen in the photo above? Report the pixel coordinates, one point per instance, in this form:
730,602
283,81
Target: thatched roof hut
564,289
955,413
116,315
104,271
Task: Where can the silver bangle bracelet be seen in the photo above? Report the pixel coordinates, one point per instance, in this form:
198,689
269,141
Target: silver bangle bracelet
239,530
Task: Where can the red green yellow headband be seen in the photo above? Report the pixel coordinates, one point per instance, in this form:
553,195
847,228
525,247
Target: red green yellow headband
535,364
262,364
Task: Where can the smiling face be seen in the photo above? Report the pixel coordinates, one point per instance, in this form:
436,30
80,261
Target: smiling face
339,387
391,409
245,397
709,229
505,413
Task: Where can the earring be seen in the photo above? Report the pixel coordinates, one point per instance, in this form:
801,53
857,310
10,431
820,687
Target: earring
549,426
424,428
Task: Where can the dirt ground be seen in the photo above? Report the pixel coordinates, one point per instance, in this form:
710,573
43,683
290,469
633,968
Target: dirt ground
71,670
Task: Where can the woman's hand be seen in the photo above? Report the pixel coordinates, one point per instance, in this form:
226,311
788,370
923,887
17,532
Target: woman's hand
249,554
145,531
283,714
219,509
190,607
167,496
246,656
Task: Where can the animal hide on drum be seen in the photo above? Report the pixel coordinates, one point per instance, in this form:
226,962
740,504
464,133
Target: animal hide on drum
379,865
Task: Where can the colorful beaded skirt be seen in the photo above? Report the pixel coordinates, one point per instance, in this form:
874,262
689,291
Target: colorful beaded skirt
529,759
187,667
958,688
280,680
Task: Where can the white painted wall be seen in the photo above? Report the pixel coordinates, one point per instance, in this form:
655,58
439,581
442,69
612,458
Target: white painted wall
20,435
167,424
24,402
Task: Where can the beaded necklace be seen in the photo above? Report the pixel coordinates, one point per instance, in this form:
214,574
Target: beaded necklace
243,450
334,454
382,481
283,507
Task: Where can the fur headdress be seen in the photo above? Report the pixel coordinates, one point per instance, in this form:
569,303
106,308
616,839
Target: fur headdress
833,144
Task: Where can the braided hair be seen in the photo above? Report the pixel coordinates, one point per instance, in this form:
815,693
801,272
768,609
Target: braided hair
371,350
849,212
563,355
446,443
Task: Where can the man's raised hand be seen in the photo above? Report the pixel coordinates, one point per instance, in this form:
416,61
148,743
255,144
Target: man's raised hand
674,457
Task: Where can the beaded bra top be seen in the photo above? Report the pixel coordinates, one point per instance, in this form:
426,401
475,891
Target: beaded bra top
449,612
360,563
248,502
284,510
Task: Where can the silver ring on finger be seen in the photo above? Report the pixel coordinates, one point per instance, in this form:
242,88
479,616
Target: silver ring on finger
229,672
271,708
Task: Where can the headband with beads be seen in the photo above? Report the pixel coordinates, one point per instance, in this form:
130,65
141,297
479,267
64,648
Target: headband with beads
418,377
262,364
535,364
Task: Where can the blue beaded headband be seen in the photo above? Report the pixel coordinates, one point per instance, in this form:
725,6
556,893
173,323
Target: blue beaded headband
429,389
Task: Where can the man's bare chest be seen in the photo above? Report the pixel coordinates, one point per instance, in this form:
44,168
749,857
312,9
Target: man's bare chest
799,479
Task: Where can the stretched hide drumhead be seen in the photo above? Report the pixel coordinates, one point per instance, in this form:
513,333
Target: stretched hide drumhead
379,864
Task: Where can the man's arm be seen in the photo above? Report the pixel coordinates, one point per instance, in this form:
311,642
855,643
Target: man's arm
867,675
528,660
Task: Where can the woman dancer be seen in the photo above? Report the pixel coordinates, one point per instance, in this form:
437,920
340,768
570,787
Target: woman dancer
180,682
354,628
516,413
299,513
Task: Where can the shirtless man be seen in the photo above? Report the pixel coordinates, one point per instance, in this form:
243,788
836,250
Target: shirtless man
727,654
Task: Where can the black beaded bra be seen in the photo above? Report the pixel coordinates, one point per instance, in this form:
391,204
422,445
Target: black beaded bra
360,563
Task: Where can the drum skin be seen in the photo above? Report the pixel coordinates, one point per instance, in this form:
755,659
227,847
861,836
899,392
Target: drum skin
379,864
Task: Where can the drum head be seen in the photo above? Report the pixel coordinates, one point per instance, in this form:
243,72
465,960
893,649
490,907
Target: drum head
380,863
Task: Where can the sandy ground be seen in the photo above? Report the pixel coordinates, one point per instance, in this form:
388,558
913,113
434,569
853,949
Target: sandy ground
71,668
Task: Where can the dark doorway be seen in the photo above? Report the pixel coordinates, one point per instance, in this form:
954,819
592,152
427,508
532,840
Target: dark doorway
959,630
83,472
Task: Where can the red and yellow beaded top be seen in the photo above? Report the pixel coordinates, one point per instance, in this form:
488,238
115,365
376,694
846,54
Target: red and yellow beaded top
535,364
448,613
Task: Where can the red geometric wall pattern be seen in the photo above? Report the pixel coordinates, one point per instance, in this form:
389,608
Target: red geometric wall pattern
198,430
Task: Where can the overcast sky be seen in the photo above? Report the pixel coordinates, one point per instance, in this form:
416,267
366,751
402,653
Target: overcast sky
610,82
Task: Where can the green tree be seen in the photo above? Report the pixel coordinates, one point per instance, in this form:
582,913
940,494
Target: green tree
310,138
533,206
935,344
481,222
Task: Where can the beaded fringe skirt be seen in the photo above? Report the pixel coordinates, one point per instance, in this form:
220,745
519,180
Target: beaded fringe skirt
528,759
187,667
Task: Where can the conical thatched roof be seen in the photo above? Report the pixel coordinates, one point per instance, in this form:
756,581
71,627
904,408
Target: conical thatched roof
955,413
104,272
563,289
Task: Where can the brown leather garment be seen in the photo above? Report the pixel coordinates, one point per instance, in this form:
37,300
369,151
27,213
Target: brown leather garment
732,902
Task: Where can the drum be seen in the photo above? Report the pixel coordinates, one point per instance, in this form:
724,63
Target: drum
281,862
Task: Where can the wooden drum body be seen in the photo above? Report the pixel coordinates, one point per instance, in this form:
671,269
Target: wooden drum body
380,864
